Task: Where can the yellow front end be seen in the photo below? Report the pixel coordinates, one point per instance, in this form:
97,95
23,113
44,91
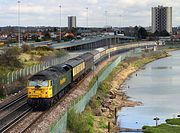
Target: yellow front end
40,91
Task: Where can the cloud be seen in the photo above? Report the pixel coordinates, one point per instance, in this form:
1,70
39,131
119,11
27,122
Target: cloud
31,8
43,12
83,14
93,2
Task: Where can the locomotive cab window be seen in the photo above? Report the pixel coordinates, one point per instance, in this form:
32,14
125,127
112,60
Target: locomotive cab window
38,83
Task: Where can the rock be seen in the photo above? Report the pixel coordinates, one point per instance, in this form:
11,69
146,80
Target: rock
111,108
110,116
111,92
113,96
106,104
119,88
98,97
104,109
97,112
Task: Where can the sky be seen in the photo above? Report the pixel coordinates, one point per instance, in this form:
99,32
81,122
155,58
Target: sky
119,12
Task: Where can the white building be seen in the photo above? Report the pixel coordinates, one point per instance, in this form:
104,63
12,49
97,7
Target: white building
71,22
162,19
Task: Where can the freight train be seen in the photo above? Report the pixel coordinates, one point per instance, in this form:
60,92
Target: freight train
46,87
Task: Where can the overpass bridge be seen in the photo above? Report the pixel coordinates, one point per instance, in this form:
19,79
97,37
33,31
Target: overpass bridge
92,43
87,44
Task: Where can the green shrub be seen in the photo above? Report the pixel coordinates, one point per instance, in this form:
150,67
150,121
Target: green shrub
78,123
173,121
102,124
26,48
42,48
103,87
95,102
10,58
61,52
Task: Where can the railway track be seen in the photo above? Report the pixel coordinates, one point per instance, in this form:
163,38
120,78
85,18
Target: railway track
22,112
38,115
12,102
16,110
14,116
13,111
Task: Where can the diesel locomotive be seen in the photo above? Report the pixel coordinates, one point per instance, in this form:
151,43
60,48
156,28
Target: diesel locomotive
46,87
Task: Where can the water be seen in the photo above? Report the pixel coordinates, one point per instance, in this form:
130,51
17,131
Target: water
158,88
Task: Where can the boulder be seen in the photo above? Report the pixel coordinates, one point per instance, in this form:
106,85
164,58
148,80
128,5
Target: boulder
106,104
104,109
113,96
97,112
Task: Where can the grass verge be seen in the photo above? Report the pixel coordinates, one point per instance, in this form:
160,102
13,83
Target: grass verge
171,126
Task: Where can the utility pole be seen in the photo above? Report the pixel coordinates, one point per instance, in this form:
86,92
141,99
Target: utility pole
19,30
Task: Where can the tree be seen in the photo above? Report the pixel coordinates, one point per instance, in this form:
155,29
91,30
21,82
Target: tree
25,48
161,33
164,33
74,30
47,35
10,58
55,29
136,31
156,33
142,33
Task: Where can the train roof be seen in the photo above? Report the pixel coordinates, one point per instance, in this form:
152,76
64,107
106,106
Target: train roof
50,73
74,61
86,56
100,49
57,68
94,52
44,75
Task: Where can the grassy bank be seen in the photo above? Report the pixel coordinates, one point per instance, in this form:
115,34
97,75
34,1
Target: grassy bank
16,58
101,107
171,126
169,48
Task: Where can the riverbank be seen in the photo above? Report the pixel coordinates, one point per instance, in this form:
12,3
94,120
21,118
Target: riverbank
110,95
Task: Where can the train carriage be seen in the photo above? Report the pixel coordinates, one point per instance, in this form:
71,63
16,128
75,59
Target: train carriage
88,59
77,67
102,52
96,55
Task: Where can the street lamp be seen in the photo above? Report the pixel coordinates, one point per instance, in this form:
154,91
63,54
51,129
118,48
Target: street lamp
120,20
156,119
19,30
178,116
60,21
106,19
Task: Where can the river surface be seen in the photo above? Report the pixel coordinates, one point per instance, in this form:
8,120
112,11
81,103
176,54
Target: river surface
158,88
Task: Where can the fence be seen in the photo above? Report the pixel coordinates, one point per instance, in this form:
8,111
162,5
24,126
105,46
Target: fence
79,106
15,75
